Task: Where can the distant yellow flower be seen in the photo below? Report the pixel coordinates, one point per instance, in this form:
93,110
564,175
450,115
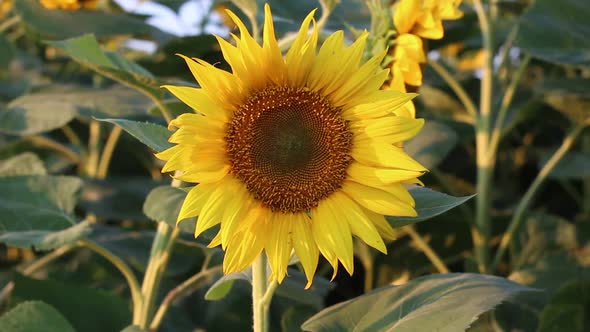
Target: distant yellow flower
408,54
69,4
424,17
5,7
293,153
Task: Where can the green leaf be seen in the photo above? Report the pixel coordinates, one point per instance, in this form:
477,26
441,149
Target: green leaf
432,144
223,285
59,24
26,163
87,309
164,203
37,211
568,309
86,51
46,240
429,204
556,31
150,134
25,117
7,53
574,165
37,202
442,302
34,316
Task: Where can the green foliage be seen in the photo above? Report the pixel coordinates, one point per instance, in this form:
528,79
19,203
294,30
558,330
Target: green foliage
85,308
451,302
556,31
58,24
568,309
150,134
34,316
26,163
163,204
429,204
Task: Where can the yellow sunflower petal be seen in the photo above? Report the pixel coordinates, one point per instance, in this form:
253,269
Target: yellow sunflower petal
279,246
195,200
304,245
331,231
406,13
198,100
378,104
216,241
361,225
376,176
385,155
391,129
213,209
383,227
377,200
301,55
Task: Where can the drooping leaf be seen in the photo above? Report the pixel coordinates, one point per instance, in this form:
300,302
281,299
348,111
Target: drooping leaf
568,309
429,204
87,309
34,316
46,240
26,163
432,144
61,24
442,302
87,52
556,31
153,135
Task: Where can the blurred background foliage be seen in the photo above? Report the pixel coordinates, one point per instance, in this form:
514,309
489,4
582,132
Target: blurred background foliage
74,172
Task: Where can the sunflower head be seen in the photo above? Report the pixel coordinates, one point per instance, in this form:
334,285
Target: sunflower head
293,153
69,4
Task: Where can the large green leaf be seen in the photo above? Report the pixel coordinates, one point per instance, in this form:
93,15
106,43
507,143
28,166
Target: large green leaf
34,316
556,31
61,24
87,309
87,51
429,204
432,144
37,202
442,302
37,211
26,163
153,135
568,310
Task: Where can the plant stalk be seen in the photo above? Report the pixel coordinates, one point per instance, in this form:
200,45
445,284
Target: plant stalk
485,160
259,287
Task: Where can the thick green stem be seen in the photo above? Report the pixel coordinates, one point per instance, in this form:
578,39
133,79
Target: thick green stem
160,254
485,160
527,199
259,287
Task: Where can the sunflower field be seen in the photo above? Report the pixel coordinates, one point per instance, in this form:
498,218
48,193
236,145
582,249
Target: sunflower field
309,165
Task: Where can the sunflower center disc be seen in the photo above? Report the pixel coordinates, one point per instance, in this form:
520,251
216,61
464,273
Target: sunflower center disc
290,147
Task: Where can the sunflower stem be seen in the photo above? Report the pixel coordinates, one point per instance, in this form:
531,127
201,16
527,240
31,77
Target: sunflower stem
586,181
107,152
485,161
421,243
528,197
259,289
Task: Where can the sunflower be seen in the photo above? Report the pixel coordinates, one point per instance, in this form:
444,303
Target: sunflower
292,153
424,17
